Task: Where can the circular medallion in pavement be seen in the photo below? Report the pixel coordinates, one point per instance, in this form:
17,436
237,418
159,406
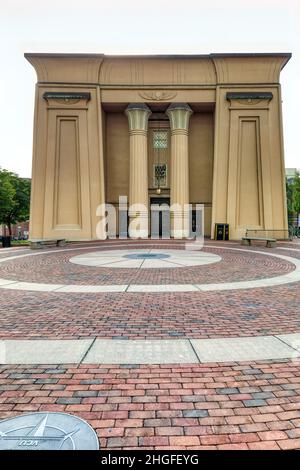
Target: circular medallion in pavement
47,431
152,258
147,256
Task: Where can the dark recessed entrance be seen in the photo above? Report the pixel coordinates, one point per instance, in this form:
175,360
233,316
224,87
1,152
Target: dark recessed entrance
162,203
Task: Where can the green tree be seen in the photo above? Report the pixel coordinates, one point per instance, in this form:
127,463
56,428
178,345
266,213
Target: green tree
296,194
289,198
14,199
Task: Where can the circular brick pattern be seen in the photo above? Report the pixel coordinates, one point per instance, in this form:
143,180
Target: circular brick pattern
54,267
142,259
133,315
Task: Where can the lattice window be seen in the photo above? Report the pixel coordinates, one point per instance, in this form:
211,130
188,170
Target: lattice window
160,139
160,175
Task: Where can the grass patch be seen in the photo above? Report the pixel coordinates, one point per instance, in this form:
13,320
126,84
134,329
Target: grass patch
19,242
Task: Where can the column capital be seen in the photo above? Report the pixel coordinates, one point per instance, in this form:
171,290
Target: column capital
179,115
138,114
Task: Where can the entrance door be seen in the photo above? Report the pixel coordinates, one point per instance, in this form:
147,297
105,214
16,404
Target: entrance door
163,229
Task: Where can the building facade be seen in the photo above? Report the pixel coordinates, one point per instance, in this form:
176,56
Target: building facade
290,174
19,231
158,129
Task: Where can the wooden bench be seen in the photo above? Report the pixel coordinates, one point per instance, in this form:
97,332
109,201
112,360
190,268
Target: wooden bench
271,242
37,244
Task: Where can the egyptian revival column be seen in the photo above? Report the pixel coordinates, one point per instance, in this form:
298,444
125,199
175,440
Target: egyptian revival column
179,115
138,115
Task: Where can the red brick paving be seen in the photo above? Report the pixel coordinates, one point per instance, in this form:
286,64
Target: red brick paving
264,311
234,266
167,406
249,312
253,405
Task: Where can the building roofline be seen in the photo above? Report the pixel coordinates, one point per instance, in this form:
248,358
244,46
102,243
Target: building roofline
44,62
54,55
160,56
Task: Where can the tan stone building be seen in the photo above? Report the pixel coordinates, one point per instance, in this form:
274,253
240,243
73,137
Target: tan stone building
166,129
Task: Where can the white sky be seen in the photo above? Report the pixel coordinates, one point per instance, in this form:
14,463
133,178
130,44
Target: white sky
138,27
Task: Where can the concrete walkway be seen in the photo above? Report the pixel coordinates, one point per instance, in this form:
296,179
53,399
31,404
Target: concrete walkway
106,351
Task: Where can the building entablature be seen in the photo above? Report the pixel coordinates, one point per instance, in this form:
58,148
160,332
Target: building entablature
166,71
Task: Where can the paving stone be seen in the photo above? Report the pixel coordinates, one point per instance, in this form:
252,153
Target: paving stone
141,352
263,395
254,403
227,391
151,351
292,340
239,349
193,398
86,393
195,413
45,351
9,387
68,400
91,382
253,372
46,381
129,366
18,376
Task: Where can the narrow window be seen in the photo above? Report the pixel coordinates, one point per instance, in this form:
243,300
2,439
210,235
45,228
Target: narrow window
160,139
160,175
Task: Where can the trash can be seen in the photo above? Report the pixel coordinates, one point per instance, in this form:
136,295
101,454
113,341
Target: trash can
221,231
6,242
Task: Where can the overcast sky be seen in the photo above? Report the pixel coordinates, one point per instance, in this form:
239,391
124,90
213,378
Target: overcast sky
138,27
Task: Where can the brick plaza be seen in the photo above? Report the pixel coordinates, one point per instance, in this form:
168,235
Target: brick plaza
253,292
